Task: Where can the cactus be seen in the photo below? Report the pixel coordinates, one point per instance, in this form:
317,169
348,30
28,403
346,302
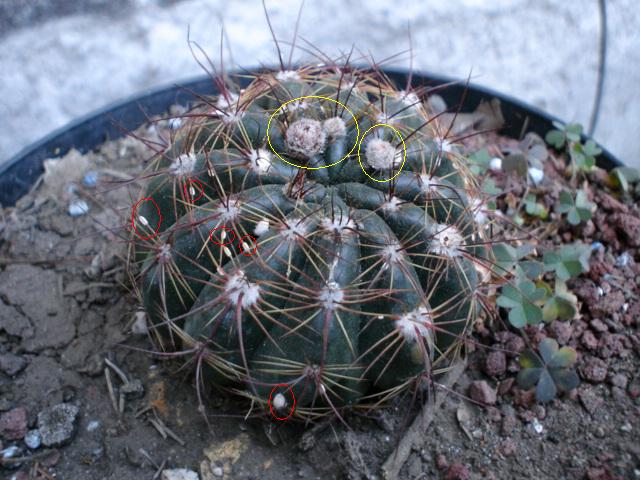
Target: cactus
314,231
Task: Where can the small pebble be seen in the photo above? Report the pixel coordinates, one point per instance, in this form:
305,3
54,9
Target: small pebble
537,426
536,174
623,260
78,207
626,427
32,439
93,425
90,178
495,164
217,471
179,474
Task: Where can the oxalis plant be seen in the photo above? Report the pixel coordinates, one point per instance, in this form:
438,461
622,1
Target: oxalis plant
312,241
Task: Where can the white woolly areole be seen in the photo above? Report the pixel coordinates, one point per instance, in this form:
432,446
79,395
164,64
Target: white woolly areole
261,227
230,211
381,155
382,117
417,322
391,205
228,101
294,228
164,254
339,224
279,401
183,165
261,160
237,285
446,241
429,183
296,105
287,75
479,212
392,253
334,127
331,295
409,98
445,145
306,137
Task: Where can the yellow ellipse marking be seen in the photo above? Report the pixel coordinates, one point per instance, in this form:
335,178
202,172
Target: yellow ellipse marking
323,98
404,151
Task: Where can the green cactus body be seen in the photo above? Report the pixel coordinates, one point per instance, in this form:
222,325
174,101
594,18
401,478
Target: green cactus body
344,288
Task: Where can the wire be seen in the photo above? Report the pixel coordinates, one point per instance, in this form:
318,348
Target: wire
602,61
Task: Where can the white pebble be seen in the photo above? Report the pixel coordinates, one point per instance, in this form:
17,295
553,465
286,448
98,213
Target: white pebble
279,401
537,426
32,439
93,425
495,164
179,474
78,207
536,174
143,220
217,471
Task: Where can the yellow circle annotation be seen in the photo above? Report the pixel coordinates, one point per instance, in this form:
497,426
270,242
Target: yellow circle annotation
404,151
355,121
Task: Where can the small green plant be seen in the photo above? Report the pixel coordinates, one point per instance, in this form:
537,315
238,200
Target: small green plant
578,210
568,261
561,304
522,302
623,178
568,137
535,208
550,370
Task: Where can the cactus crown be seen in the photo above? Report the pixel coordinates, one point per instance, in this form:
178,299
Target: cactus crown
311,236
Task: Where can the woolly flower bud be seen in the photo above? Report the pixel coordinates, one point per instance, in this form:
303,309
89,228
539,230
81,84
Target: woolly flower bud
305,138
335,128
381,154
183,165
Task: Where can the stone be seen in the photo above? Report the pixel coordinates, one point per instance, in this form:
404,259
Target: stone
508,447
457,471
594,369
13,322
598,325
57,424
561,331
514,345
634,388
495,364
509,424
619,380
32,439
589,340
441,462
13,424
11,364
481,391
589,399
179,474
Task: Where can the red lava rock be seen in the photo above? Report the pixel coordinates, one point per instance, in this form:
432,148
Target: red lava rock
540,412
612,344
458,471
608,304
607,202
589,399
508,447
628,226
441,462
524,398
589,340
509,424
589,229
495,364
13,424
505,386
619,380
514,345
598,325
561,331
594,369
481,391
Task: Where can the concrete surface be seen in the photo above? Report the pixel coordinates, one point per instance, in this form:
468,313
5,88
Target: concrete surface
61,58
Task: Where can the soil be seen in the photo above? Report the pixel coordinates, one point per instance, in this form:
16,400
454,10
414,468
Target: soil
67,315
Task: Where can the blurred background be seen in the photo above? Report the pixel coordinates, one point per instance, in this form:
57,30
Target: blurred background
60,59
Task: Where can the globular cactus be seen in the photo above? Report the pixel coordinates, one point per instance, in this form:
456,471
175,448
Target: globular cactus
313,231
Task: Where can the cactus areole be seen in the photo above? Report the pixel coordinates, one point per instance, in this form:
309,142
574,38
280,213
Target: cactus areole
331,245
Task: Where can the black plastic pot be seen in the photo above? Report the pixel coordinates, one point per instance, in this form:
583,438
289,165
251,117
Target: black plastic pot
87,133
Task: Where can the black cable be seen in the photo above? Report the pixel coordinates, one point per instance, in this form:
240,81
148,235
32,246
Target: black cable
602,61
